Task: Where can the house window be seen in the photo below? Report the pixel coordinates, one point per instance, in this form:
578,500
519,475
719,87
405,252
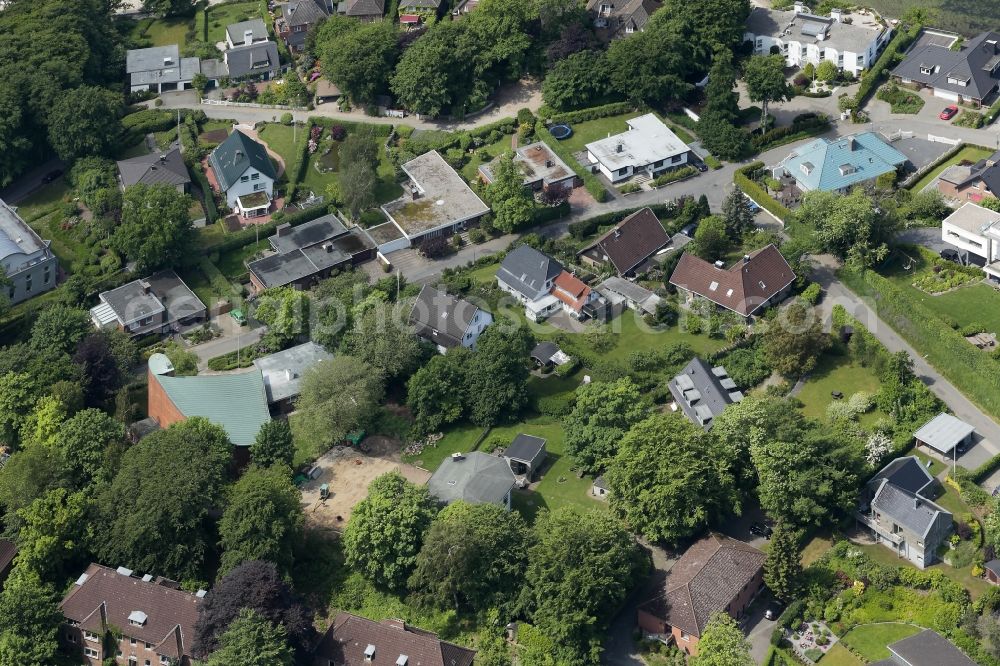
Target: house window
90,652
164,661
257,186
629,29
70,637
675,159
926,70
760,43
684,636
90,637
622,172
244,179
657,164
27,284
132,661
255,176
131,641
47,274
149,663
149,646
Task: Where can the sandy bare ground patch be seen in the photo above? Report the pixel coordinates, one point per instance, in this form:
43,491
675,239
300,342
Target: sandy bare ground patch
348,473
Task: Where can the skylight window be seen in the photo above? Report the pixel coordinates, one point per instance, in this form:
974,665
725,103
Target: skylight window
713,286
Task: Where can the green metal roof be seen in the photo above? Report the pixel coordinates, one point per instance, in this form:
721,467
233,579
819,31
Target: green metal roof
236,402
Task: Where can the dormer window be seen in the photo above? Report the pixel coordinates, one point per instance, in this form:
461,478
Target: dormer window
955,81
806,168
137,618
369,653
926,70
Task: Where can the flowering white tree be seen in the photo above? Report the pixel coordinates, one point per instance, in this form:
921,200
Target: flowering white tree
877,447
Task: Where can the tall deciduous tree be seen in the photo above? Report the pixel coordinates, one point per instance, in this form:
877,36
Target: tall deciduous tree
101,370
436,393
668,481
88,440
602,414
156,228
147,524
60,328
793,340
512,205
360,58
273,444
721,98
711,241
498,376
722,643
253,641
263,519
581,567
472,558
579,80
357,188
433,75
51,538
381,341
285,311
85,121
29,621
255,586
386,530
337,397
783,566
765,79
852,228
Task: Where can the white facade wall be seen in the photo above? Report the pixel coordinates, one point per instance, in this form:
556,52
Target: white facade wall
798,53
629,171
247,185
480,321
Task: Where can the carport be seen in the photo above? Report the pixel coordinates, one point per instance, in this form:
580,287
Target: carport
944,434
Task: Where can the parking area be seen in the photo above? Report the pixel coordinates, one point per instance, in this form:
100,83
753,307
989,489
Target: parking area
933,38
347,472
921,152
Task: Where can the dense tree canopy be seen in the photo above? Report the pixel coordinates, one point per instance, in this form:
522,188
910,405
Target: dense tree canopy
852,228
358,57
273,444
147,524
51,537
87,441
84,121
498,375
722,643
765,79
512,204
577,81
253,641
337,397
581,567
435,393
669,480
386,530
602,414
793,340
156,229
29,621
381,341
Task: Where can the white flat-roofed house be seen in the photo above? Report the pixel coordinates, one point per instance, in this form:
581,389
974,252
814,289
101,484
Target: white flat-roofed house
648,146
975,230
26,259
851,41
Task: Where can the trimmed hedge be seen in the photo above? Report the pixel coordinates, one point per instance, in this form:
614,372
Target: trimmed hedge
545,214
377,129
593,113
207,197
803,126
298,175
591,182
974,373
249,235
674,175
872,77
757,193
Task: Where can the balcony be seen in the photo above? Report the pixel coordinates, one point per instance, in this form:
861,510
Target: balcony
868,521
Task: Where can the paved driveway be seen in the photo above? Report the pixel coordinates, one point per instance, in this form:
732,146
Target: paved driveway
929,237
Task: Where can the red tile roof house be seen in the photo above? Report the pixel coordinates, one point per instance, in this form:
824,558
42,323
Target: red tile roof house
357,641
716,574
155,618
629,245
760,279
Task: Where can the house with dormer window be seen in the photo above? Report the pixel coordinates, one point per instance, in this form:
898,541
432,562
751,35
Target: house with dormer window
244,173
446,321
970,73
119,616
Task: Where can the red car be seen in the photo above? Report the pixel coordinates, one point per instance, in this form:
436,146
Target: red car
948,113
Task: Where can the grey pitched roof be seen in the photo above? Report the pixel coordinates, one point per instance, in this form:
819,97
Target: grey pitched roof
235,155
419,4
632,241
977,62
303,12
994,566
544,351
527,270
944,432
907,509
929,648
252,59
300,263
236,31
154,169
525,447
289,238
907,473
162,291
159,64
364,7
440,318
703,392
282,371
475,477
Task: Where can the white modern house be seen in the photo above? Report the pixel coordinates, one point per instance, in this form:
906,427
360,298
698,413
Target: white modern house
851,41
244,173
446,321
975,231
648,146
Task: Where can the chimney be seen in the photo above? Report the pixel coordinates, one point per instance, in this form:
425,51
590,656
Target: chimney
163,159
247,37
619,148
328,247
145,286
916,502
549,164
369,652
720,264
457,456
836,14
618,233
851,143
746,258
167,61
414,194
284,229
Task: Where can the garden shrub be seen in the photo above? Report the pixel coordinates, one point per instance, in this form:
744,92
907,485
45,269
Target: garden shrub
812,293
757,193
593,113
568,368
674,175
556,405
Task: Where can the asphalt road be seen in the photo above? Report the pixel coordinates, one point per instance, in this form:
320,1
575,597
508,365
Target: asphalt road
29,182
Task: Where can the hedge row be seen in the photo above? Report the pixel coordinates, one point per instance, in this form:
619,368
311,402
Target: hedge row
873,76
758,193
297,173
803,126
246,236
992,113
545,214
207,197
591,182
593,113
377,129
974,373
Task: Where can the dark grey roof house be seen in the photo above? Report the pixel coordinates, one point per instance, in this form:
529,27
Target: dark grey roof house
447,321
158,304
155,169
298,17
702,392
159,69
253,61
527,273
526,454
366,11
234,156
618,18
477,478
970,74
246,32
309,252
628,246
928,648
897,506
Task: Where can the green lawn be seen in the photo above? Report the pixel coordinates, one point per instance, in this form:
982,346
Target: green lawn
592,130
232,263
219,16
471,170
975,585
815,549
967,18
137,150
970,153
164,31
870,640
836,373
840,656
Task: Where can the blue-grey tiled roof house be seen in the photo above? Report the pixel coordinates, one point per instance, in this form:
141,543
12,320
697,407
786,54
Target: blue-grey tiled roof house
838,165
896,506
969,74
